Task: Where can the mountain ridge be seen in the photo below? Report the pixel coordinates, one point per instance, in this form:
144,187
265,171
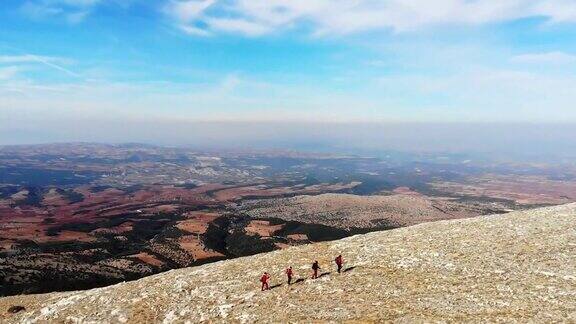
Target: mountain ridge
516,267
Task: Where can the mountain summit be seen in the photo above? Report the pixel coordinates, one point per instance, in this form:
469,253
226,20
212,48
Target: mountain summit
515,267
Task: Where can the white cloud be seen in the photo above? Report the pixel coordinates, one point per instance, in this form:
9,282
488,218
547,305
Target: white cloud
74,11
191,30
558,11
187,10
55,63
9,72
29,58
545,58
230,83
77,17
241,26
256,17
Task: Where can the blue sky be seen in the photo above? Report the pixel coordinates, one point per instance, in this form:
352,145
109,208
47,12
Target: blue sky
286,60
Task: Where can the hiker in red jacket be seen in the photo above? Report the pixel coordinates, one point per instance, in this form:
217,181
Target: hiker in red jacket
264,280
315,268
289,274
339,262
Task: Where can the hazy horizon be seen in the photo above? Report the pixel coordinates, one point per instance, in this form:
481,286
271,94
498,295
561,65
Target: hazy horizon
511,140
448,75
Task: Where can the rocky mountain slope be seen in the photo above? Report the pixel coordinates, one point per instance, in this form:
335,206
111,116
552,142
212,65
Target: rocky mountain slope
518,267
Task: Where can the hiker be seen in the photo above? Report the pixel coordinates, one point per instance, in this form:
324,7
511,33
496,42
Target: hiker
264,280
289,274
315,268
339,262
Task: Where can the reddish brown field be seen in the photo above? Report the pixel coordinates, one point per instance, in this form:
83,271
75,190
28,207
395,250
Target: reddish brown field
262,228
148,258
37,223
197,222
524,190
406,191
194,245
32,222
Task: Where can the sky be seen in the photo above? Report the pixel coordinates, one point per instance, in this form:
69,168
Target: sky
120,70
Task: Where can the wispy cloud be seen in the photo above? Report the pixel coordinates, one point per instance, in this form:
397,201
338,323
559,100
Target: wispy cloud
9,72
191,30
28,58
73,11
240,26
545,58
186,11
51,62
255,18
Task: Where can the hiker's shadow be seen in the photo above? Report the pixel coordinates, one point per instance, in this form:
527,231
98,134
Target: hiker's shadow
349,269
324,274
298,281
275,286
